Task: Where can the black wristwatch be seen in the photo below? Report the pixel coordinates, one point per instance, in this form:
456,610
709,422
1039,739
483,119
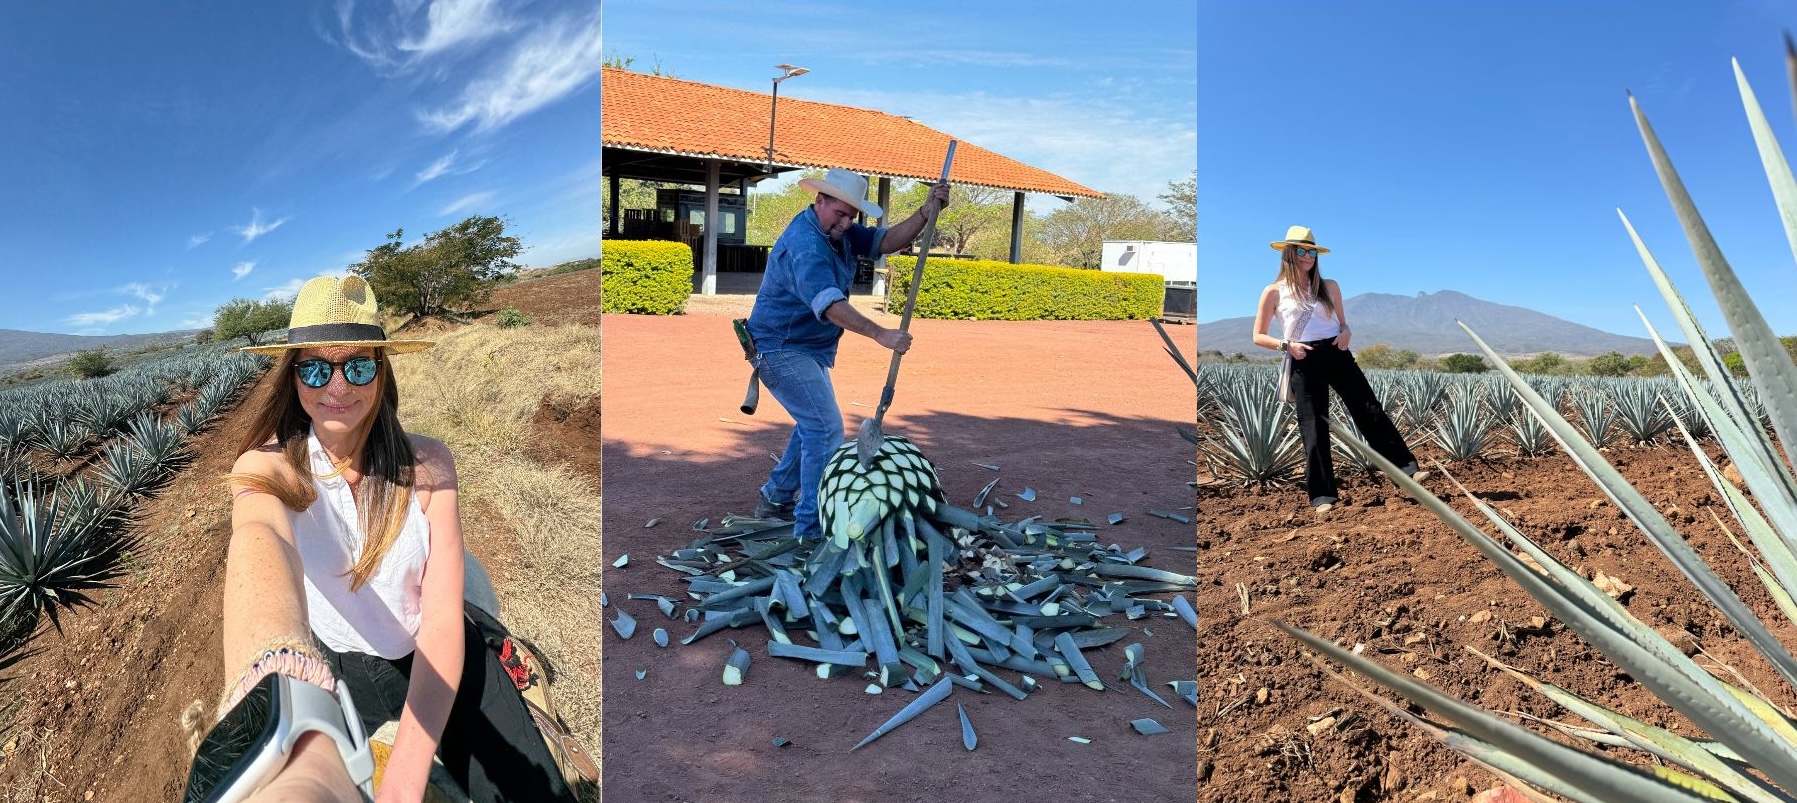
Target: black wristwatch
1285,345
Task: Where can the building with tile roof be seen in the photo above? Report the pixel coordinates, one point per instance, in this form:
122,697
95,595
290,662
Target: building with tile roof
658,128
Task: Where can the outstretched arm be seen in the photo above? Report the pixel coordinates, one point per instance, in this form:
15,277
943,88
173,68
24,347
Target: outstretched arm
437,663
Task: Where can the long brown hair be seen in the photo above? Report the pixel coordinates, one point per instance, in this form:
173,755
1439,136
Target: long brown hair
1290,276
388,463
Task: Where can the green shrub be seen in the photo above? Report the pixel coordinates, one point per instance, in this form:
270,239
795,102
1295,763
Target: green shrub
91,364
646,276
989,290
509,318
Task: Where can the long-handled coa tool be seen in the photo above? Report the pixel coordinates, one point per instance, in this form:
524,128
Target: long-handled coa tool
867,444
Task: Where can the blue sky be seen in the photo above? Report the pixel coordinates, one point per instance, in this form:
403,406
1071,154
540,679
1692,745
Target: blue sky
163,158
1485,147
1102,94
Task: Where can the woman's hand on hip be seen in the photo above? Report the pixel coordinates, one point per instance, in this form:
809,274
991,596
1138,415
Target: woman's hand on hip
1341,340
1297,350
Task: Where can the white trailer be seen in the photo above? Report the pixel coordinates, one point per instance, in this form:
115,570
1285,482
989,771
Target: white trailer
1176,262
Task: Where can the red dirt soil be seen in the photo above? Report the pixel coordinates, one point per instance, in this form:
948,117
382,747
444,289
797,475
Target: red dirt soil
99,704
1383,571
1069,408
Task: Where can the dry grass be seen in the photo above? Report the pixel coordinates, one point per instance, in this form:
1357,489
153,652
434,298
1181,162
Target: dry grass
477,391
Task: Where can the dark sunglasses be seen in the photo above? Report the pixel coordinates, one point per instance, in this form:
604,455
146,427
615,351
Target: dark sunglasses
1302,252
316,373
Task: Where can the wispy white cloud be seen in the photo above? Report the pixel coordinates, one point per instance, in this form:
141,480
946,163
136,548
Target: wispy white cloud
456,22
256,227
544,65
446,166
284,292
242,269
103,317
402,38
466,202
151,296
196,322
198,240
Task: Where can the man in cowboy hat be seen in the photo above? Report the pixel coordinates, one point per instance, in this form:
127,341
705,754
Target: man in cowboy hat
801,311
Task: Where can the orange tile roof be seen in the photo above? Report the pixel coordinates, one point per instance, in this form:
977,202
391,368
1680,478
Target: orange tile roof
669,115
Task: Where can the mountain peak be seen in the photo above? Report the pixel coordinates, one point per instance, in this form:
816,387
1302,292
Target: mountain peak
1425,323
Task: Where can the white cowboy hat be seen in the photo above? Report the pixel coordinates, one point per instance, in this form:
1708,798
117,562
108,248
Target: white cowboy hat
843,185
1298,235
332,311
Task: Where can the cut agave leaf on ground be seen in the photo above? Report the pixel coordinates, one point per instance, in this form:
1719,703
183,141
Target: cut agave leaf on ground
736,666
1187,689
1079,740
935,694
969,739
979,499
661,637
1147,727
1116,518
625,624
987,466
1074,500
1185,611
1028,494
652,523
642,673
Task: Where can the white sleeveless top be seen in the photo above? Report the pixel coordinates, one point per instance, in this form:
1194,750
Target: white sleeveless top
382,617
1321,325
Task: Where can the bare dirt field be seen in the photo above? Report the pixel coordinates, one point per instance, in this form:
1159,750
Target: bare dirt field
1383,572
96,707
1068,408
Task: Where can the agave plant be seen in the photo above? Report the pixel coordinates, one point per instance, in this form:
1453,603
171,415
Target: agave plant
1254,443
43,561
1749,748
1595,416
1463,428
1641,414
1529,435
126,470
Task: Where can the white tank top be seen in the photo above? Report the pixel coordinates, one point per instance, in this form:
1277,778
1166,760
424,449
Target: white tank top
382,617
1321,325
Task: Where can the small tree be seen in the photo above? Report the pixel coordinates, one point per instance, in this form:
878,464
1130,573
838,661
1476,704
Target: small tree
1609,363
248,318
1181,199
454,267
1464,364
91,364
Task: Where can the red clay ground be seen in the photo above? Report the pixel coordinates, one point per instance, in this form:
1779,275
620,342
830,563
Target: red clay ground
98,705
1384,572
1068,408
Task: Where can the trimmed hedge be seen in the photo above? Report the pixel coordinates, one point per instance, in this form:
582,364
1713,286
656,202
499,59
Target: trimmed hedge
647,276
1000,291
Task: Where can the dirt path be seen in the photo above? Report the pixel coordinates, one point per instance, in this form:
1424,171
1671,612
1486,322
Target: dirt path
1068,408
1383,572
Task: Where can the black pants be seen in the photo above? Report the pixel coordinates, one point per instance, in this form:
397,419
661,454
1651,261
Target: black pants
490,744
1328,367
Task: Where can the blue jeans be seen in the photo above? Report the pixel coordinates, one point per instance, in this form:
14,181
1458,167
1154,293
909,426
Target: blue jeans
802,386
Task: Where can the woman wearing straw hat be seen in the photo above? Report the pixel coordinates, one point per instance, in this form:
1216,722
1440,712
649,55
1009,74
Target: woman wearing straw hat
346,527
1315,343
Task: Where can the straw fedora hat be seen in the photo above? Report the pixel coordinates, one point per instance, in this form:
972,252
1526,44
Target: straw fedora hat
844,185
1298,235
332,311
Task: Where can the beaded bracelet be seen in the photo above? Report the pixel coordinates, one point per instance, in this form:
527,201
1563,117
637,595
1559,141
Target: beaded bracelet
295,659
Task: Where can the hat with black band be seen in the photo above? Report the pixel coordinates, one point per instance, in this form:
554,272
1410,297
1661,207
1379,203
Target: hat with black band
333,311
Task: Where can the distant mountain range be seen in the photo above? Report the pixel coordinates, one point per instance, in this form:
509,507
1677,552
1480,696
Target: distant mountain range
20,351
1425,324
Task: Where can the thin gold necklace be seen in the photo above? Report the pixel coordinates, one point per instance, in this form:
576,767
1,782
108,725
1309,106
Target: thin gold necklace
337,467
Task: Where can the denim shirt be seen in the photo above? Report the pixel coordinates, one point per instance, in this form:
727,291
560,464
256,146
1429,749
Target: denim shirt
806,273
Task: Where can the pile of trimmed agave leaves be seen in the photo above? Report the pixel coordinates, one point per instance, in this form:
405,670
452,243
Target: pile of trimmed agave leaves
1750,748
873,596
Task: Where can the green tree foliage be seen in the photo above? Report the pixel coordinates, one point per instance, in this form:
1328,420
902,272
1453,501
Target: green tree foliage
1181,199
248,318
1381,356
1463,364
91,364
770,212
1547,362
971,211
456,267
1075,233
1609,363
1735,363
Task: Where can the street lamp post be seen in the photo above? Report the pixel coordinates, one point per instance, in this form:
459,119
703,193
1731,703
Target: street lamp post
787,71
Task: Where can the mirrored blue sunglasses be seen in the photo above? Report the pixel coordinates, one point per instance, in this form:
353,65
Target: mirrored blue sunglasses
1302,252
316,373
